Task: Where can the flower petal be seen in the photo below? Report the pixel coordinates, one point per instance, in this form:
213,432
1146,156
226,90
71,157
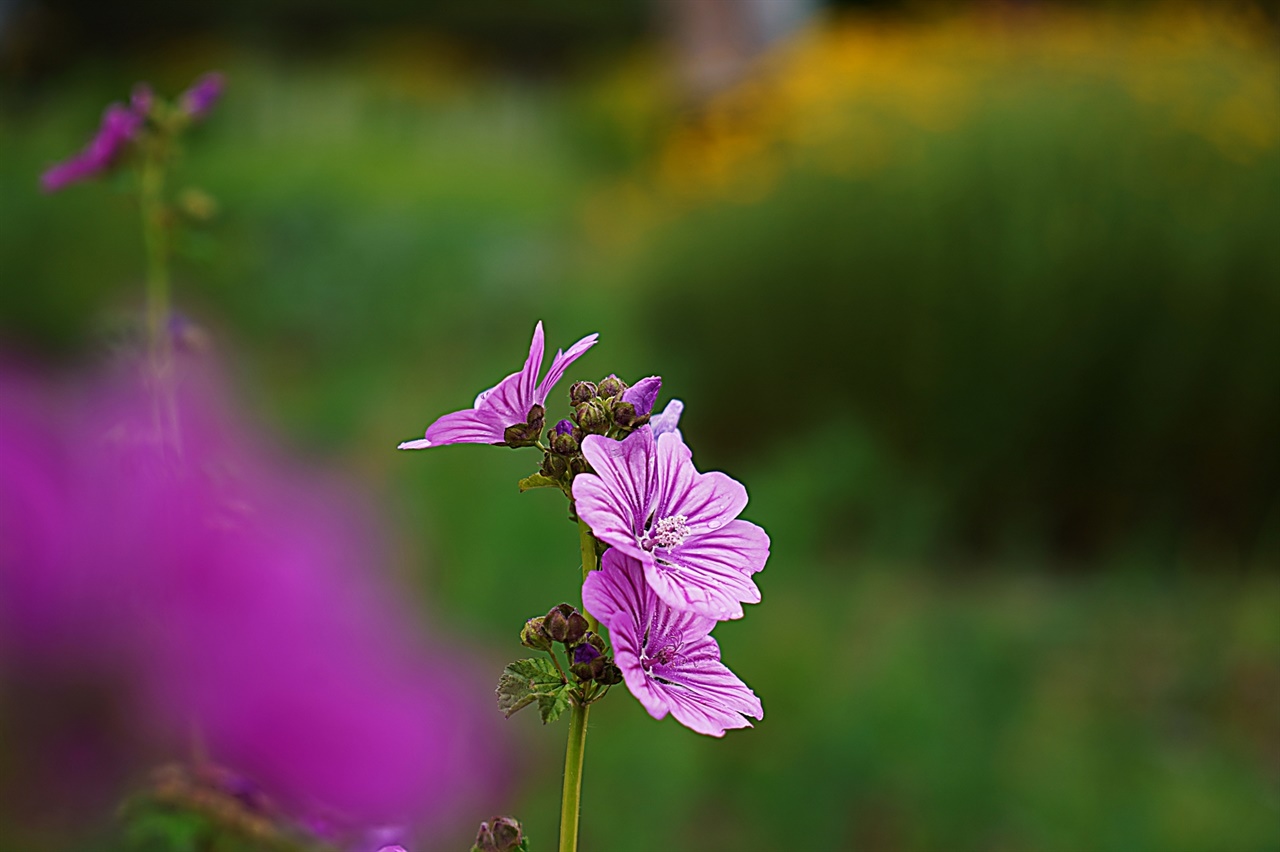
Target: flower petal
561,362
668,421
616,501
708,501
468,426
643,394
708,584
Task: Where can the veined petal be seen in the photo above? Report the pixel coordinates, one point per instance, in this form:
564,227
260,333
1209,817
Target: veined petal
691,710
643,394
738,544
465,427
706,584
708,501
701,671
561,363
532,366
616,502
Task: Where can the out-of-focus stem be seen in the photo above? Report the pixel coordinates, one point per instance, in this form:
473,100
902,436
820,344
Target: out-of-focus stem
155,239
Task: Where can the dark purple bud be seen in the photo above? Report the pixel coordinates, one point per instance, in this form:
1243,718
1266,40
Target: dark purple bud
564,427
596,641
198,100
612,386
520,435
565,624
643,394
578,465
581,392
585,653
563,442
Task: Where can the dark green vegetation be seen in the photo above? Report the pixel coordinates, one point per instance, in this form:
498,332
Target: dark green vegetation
1008,407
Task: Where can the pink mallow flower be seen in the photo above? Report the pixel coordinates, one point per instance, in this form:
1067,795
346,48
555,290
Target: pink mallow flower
649,501
120,124
506,404
667,657
204,93
157,551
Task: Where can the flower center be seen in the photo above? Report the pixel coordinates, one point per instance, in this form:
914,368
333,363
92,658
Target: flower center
668,533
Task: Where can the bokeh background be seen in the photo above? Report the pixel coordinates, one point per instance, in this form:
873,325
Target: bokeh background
980,301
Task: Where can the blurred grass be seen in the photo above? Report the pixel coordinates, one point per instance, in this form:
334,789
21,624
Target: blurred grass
1009,299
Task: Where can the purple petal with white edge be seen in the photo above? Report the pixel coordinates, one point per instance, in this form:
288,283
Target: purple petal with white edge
643,394
420,444
668,421
708,501
469,426
561,363
615,502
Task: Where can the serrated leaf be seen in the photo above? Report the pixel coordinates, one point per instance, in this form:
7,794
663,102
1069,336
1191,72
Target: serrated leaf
537,480
551,705
524,681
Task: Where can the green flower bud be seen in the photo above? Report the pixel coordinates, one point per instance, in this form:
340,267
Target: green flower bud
581,392
592,418
526,434
578,465
533,636
612,386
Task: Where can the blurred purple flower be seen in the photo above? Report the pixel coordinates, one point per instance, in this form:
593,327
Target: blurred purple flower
649,501
204,93
119,126
668,660
229,595
505,404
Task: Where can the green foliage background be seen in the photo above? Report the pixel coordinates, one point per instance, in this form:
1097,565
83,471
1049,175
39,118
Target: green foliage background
1008,407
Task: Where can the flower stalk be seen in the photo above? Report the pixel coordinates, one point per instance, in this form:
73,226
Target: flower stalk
571,797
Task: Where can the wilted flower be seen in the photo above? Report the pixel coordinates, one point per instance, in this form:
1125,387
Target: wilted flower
668,660
649,501
505,405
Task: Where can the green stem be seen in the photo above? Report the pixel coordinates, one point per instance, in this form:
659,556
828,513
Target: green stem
574,751
154,238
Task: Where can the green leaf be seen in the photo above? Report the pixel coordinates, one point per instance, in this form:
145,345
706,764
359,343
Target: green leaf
526,681
552,705
537,480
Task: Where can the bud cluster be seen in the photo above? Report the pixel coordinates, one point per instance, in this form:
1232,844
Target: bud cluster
598,409
589,659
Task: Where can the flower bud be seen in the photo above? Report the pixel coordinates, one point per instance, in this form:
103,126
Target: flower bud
609,675
565,624
563,440
612,386
533,636
554,466
581,392
593,418
587,663
595,640
507,833
526,434
624,414
578,465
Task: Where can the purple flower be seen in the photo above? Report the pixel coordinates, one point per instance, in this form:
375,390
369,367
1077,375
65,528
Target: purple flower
643,394
649,501
198,100
506,404
119,126
216,586
667,658
668,421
